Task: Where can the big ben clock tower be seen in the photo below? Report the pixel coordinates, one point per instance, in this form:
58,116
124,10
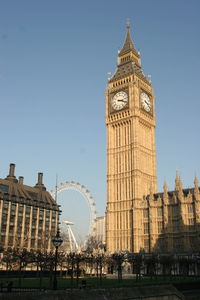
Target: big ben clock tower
131,154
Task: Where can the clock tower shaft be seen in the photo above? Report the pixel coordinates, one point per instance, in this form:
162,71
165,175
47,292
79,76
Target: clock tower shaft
131,153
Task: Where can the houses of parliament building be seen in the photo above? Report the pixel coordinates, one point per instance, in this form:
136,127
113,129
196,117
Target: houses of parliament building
137,216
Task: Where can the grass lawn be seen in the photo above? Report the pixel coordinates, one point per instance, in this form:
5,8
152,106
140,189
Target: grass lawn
65,283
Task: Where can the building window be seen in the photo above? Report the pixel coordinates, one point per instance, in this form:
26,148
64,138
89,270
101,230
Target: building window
146,228
175,211
190,209
146,245
5,204
175,224
159,212
32,243
191,222
28,209
13,209
4,188
160,227
145,214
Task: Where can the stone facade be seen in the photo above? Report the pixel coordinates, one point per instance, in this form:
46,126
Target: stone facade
136,215
170,221
28,215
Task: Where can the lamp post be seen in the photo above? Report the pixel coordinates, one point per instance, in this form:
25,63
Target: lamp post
57,241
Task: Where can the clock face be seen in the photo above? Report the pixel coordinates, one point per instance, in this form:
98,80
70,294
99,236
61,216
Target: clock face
145,102
119,100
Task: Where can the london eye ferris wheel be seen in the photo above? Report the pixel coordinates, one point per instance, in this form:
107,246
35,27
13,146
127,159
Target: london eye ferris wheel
75,186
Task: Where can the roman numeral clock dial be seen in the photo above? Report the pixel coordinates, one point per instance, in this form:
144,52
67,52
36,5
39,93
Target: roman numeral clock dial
119,100
145,102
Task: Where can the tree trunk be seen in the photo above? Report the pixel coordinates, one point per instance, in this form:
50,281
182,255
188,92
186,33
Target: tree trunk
77,274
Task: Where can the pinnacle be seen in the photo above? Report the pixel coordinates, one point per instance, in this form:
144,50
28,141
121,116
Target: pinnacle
196,182
165,187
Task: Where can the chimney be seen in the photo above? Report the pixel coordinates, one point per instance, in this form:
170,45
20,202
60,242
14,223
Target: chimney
40,184
11,175
21,180
12,170
40,177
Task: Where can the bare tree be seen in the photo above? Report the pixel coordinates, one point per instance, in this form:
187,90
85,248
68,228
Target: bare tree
93,244
118,259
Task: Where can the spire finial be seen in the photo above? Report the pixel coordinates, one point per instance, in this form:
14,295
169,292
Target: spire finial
128,23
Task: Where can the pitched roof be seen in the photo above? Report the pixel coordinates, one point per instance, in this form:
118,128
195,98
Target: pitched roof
33,195
126,69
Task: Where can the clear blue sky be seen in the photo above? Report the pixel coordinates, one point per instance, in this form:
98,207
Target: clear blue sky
54,59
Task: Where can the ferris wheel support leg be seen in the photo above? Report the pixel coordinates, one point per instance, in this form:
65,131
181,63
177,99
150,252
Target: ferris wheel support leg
70,237
74,239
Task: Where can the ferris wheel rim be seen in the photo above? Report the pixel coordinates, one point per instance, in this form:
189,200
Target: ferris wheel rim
76,186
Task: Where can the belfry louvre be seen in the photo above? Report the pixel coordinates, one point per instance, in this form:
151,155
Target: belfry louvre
28,215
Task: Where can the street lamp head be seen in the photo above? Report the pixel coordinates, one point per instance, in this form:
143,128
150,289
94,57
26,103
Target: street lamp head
57,240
